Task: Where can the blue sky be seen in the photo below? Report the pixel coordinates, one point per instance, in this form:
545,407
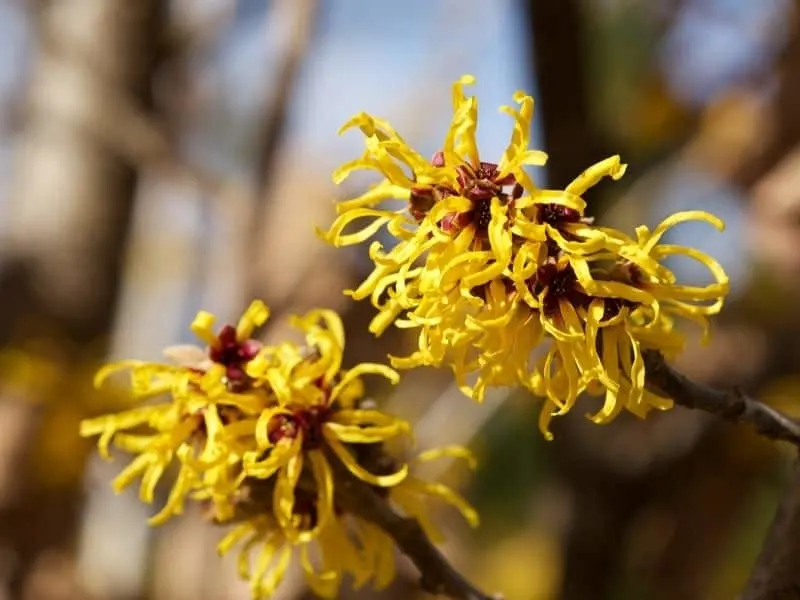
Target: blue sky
719,42
371,55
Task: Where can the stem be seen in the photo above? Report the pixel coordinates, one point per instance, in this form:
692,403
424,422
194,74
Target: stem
731,405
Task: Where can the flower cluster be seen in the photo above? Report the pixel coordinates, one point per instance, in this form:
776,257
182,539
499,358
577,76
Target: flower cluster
504,282
509,284
239,421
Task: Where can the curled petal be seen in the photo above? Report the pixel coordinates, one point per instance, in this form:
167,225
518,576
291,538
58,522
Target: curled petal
278,457
360,370
677,218
283,496
355,434
325,584
458,452
447,495
357,470
336,236
610,167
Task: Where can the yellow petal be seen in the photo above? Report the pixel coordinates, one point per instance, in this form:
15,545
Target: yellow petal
324,481
106,371
283,497
202,327
610,167
355,434
233,537
324,584
360,370
360,472
447,495
448,452
278,457
255,316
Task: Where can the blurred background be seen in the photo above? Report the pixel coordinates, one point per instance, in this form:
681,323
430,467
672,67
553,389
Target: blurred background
161,157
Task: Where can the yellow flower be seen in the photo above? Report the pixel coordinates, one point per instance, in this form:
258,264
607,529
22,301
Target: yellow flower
191,427
202,424
471,241
413,495
275,431
603,310
230,350
490,337
343,544
647,281
243,410
316,419
558,216
459,223
510,284
325,557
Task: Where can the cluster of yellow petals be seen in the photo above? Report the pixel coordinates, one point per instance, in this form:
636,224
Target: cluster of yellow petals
325,559
509,284
346,545
505,283
198,427
239,411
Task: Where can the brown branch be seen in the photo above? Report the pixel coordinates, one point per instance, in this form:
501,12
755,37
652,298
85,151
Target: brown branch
776,574
438,576
731,405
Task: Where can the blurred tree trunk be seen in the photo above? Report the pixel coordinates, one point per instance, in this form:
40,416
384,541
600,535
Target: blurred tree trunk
777,571
558,47
783,135
68,221
276,207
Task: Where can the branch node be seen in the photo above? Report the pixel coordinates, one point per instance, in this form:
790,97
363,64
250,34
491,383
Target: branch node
736,404
437,575
733,405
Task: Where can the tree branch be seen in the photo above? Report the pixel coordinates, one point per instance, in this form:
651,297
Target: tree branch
777,570
731,405
437,575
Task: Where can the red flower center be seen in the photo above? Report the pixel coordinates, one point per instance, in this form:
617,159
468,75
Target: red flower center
561,284
307,421
556,214
479,184
233,354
